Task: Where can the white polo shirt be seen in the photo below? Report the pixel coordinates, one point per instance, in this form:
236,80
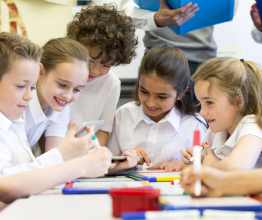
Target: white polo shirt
162,140
16,155
223,147
97,101
49,122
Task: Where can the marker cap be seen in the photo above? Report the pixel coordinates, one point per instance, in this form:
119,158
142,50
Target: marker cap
94,137
197,138
133,215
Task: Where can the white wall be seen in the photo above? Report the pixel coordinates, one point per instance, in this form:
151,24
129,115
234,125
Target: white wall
238,33
234,33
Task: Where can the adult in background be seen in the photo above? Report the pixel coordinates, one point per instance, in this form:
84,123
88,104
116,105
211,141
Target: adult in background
257,29
198,46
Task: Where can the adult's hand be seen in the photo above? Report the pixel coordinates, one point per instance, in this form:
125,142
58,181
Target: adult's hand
165,16
256,17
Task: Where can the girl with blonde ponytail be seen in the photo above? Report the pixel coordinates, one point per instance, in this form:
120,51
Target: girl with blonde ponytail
229,91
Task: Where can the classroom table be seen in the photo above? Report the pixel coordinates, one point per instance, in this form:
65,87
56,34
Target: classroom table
53,205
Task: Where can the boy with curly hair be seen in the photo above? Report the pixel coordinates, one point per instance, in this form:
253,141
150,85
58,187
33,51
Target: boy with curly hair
109,36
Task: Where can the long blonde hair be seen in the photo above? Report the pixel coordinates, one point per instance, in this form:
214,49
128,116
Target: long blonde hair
235,77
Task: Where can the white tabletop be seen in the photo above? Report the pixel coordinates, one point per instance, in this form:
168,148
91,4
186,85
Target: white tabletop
67,207
54,205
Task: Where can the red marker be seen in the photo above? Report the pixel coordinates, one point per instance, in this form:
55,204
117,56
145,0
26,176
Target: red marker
196,142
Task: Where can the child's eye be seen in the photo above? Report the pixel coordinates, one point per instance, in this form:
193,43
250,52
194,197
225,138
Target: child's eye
21,87
143,91
106,66
32,88
162,97
209,103
77,90
62,85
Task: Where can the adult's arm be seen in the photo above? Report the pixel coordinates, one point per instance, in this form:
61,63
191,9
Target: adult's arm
149,20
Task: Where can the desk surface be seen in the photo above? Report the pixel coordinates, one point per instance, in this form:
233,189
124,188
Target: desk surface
67,207
52,205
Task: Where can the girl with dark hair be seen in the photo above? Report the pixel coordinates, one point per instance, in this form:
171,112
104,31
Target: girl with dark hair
163,117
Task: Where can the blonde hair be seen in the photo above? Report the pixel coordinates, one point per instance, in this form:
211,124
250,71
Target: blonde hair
61,50
14,47
235,77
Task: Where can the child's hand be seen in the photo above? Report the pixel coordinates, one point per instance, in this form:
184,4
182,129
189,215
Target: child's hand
169,166
188,153
213,181
97,162
131,161
142,152
256,17
210,158
72,147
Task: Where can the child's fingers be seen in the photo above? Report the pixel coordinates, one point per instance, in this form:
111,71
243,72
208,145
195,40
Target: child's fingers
90,129
155,167
142,152
207,149
189,150
186,161
185,154
113,165
73,128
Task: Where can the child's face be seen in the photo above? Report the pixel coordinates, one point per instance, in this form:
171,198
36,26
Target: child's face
156,96
16,88
97,69
216,108
61,86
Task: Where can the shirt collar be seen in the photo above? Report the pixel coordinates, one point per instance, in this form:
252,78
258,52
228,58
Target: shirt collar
173,117
6,123
38,114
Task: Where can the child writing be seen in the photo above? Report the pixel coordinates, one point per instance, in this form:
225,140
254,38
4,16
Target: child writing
161,120
229,91
109,36
19,68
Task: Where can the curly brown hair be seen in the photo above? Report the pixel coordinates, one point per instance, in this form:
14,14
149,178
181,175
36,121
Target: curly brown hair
106,28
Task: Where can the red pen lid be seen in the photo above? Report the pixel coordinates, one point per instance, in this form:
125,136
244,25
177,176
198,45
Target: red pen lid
197,138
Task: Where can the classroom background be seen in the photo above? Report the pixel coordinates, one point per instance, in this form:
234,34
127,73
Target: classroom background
42,20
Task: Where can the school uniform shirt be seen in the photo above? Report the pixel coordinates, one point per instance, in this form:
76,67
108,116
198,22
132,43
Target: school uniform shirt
162,141
223,147
97,101
49,122
15,153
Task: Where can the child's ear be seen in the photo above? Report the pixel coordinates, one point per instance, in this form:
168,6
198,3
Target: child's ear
41,72
181,95
240,101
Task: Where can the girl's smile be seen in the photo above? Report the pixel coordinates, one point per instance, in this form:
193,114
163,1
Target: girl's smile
61,102
152,109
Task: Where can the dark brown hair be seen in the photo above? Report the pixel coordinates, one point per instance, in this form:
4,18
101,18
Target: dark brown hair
62,50
171,65
107,29
14,47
